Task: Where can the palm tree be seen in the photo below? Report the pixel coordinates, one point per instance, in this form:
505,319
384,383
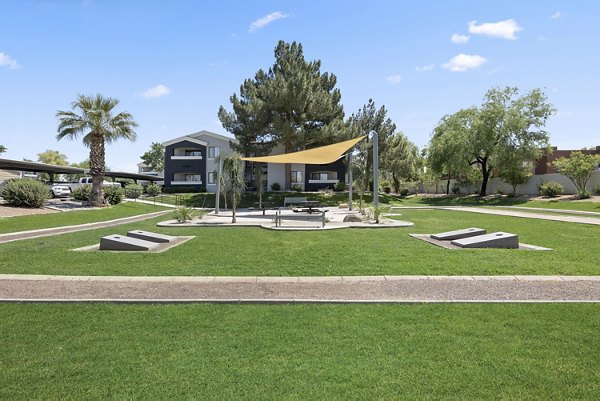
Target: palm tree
98,126
233,175
2,149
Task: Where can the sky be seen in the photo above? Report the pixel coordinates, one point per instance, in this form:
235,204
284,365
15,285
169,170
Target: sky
173,63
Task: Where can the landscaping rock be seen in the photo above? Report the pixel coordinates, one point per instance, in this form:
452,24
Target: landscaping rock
352,218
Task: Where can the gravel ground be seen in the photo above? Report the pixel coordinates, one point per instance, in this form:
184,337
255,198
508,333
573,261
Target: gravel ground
334,288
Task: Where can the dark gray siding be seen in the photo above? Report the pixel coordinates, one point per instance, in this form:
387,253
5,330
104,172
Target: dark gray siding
173,167
337,166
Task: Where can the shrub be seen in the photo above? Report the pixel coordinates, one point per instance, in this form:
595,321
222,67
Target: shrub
297,188
375,213
183,214
550,188
387,190
275,186
596,190
499,191
404,191
83,192
133,191
455,188
26,193
113,195
153,190
339,186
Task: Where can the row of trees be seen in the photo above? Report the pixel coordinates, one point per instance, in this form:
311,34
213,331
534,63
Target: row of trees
294,105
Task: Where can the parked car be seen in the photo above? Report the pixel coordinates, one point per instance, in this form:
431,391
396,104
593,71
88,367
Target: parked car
88,181
60,191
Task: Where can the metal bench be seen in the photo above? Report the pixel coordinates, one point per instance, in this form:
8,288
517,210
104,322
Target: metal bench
293,201
320,216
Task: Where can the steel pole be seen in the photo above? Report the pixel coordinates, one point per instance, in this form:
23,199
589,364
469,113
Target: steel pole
218,198
375,139
350,181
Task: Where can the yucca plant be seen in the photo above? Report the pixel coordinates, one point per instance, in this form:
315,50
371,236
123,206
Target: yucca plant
183,214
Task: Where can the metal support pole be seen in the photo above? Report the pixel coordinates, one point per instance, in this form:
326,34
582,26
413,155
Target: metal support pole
218,198
375,139
350,179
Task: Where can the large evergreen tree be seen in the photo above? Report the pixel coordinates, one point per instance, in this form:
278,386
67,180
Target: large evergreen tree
290,104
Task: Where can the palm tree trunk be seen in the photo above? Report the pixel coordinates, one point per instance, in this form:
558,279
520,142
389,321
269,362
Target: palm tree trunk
97,169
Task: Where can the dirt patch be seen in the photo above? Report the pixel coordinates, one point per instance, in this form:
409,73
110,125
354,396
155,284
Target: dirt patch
11,211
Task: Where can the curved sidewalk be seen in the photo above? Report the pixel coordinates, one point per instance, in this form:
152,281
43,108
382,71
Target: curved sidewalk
46,232
336,289
499,212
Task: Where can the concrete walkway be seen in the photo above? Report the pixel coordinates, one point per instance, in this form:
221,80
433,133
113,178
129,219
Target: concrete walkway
337,289
45,232
503,212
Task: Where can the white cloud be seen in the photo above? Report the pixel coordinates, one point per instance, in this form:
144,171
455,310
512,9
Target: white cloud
5,60
456,38
424,68
463,62
266,20
156,91
394,79
501,29
558,15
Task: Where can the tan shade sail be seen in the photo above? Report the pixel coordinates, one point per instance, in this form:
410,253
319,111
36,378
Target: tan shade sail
321,155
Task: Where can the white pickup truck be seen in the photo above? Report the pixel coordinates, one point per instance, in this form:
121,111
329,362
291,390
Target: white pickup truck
87,181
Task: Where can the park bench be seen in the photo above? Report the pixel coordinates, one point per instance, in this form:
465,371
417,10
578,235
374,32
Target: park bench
320,217
293,201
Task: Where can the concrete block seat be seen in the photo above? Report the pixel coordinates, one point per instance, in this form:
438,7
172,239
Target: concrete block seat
118,242
149,236
493,240
458,234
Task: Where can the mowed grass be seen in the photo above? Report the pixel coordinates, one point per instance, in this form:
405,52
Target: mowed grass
33,222
249,251
468,351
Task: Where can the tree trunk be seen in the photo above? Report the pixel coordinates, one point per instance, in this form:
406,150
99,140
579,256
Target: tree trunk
97,169
448,186
485,172
233,220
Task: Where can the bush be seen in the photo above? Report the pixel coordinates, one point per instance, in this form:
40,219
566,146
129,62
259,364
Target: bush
550,188
499,191
183,214
83,192
113,195
387,190
133,191
297,188
153,190
339,186
275,186
404,191
26,193
596,190
455,188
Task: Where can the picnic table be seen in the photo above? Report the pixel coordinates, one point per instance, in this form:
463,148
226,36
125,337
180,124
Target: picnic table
263,205
308,206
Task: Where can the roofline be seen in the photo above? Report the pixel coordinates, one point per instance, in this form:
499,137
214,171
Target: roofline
214,135
185,138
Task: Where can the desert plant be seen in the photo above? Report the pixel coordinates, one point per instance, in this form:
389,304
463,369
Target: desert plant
275,186
183,214
133,191
26,193
233,175
113,195
375,212
297,188
83,193
550,189
153,190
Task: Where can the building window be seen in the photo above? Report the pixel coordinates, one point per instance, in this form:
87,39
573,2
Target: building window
213,151
211,177
193,153
193,177
296,177
323,176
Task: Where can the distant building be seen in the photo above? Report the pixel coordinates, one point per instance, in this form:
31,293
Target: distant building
544,164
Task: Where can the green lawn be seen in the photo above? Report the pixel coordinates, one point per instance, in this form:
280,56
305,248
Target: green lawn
468,351
238,251
23,223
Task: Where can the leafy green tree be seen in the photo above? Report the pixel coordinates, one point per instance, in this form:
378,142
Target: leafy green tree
504,124
98,126
401,160
514,172
233,176
578,168
290,104
51,157
84,165
155,157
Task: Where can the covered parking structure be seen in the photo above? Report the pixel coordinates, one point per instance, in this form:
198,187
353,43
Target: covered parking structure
52,169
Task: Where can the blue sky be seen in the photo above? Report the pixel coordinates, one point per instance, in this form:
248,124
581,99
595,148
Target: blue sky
173,63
